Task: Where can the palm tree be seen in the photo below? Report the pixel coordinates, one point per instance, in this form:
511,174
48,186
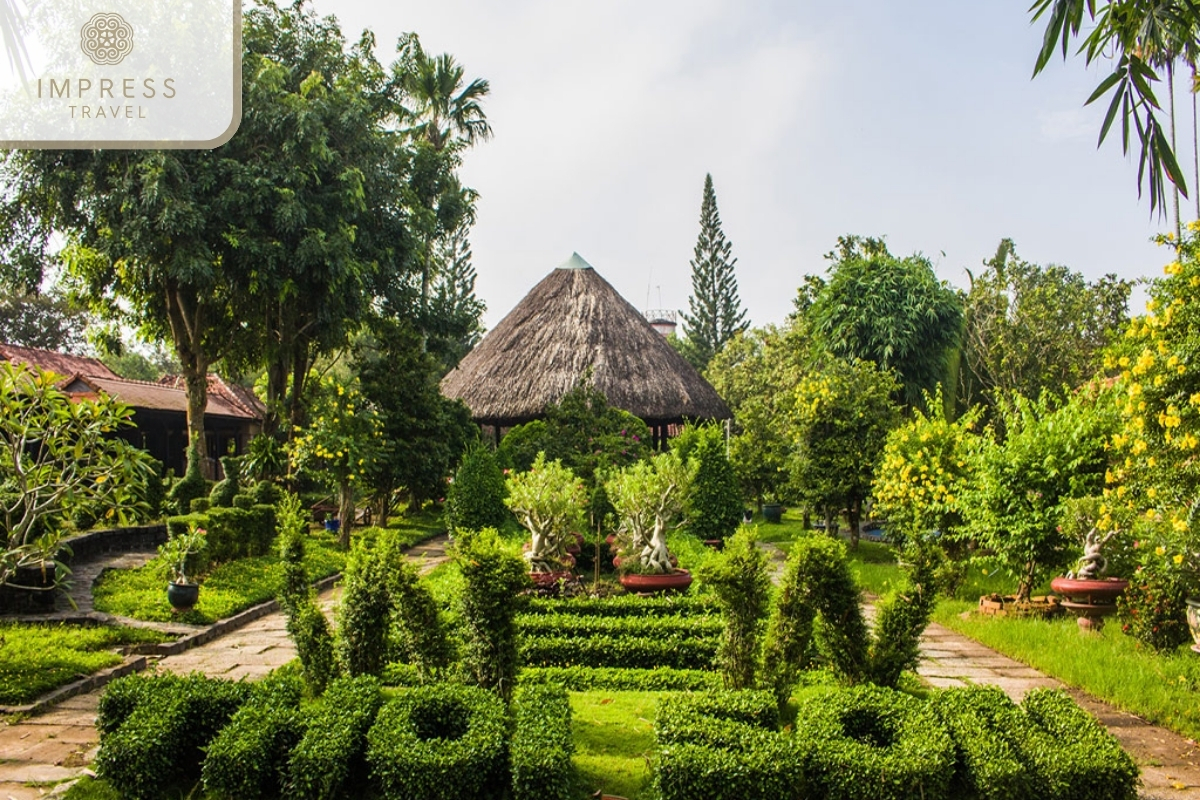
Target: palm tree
444,112
12,26
1139,35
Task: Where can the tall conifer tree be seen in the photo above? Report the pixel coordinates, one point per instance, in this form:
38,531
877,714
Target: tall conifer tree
716,310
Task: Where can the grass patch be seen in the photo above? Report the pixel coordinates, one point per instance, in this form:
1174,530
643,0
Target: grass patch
237,585
1108,665
614,738
35,659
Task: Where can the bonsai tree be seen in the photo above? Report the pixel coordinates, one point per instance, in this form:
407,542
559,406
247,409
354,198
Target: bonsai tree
648,498
549,502
177,552
56,457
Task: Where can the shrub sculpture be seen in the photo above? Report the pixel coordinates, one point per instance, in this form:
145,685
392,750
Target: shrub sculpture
475,499
440,742
648,498
549,502
364,615
488,607
191,486
541,745
306,625
224,491
818,588
329,759
419,636
738,576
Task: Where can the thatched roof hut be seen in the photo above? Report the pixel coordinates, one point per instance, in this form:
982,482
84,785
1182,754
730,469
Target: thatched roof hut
572,321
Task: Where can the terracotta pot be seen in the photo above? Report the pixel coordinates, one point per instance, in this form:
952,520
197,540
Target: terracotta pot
1193,618
715,544
547,580
677,581
1089,600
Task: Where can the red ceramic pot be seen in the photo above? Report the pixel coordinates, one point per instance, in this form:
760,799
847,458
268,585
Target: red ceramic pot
677,581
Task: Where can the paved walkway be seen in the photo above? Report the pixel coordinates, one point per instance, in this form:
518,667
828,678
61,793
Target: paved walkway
54,747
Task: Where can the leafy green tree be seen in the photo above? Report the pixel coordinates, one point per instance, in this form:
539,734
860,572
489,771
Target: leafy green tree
893,311
488,608
475,500
755,373
455,313
1050,452
340,446
716,310
840,422
58,456
1030,329
423,434
713,506
47,320
1138,35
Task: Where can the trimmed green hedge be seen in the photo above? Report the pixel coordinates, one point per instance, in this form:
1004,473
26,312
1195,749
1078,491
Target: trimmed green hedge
248,759
625,605
582,627
331,752
871,743
232,532
439,741
987,729
156,733
658,679
541,745
677,652
1087,761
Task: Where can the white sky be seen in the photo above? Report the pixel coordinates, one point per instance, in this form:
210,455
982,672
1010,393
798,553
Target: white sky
915,121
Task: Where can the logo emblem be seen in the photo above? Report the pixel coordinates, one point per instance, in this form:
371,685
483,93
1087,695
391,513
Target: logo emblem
106,39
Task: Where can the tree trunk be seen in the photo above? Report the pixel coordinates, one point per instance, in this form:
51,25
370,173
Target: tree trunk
186,319
1174,149
1025,585
1195,144
853,514
345,513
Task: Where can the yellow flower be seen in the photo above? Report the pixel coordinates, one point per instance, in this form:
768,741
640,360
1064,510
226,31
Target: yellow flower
1160,551
1178,559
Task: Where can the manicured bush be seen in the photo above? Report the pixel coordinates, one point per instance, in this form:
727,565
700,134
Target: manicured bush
870,743
987,729
475,499
714,499
331,752
488,607
224,491
439,741
902,617
584,627
191,486
677,651
738,576
199,505
1088,761
364,616
622,679
161,741
232,532
265,493
122,697
685,712
418,633
541,745
248,758
625,605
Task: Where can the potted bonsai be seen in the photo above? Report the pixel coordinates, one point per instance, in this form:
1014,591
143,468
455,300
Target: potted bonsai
183,591
549,502
648,498
1086,592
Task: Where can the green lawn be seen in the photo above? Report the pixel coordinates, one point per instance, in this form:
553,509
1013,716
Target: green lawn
614,738
35,659
237,585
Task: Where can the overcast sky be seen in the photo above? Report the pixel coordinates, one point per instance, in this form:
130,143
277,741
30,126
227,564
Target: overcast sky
914,121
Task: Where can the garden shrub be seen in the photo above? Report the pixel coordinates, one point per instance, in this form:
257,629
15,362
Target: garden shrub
123,695
714,500
622,679
987,729
521,445
191,486
1089,763
582,626
265,493
488,606
364,616
160,743
1153,609
871,743
439,741
754,708
199,505
331,752
419,637
625,605
306,624
475,499
232,532
248,758
224,491
738,577
902,617
679,651
541,745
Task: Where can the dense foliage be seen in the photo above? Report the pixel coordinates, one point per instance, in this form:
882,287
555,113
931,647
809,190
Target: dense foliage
713,506
739,578
475,499
548,500
487,608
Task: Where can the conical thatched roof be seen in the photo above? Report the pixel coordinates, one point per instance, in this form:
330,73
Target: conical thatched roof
571,321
